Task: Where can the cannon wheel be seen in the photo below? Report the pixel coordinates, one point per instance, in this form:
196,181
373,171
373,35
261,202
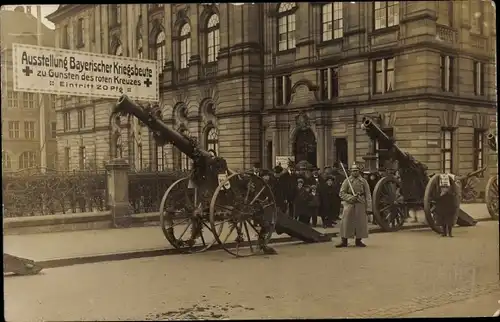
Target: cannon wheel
389,209
491,196
431,193
185,225
251,213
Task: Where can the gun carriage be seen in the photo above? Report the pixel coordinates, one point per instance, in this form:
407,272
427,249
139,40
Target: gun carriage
213,203
491,193
412,188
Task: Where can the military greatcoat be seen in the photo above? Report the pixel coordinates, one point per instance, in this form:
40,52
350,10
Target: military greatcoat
354,219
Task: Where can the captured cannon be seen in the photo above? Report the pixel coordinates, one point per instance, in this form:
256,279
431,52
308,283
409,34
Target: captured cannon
491,193
19,265
393,196
214,204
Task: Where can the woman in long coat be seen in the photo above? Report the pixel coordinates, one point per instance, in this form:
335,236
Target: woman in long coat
354,222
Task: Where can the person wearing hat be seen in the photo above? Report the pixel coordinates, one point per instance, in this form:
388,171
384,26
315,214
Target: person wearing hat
357,201
446,206
301,202
288,187
256,169
279,196
330,202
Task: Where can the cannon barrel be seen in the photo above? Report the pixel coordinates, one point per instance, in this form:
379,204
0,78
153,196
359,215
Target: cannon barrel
375,133
492,141
160,129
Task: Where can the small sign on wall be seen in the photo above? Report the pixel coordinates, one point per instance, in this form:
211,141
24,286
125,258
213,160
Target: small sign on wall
283,160
433,144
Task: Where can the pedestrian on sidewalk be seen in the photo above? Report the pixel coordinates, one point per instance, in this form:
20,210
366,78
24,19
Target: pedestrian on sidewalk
329,202
301,203
314,204
446,206
357,201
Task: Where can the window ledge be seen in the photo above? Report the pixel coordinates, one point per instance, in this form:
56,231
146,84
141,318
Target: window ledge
285,52
380,31
330,42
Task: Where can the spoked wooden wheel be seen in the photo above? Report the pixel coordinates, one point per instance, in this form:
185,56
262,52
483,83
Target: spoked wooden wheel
184,217
432,192
247,204
389,209
491,196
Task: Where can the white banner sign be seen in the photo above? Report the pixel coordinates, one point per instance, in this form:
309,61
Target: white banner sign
77,73
283,160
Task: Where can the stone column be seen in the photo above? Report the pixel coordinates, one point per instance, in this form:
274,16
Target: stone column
320,144
117,176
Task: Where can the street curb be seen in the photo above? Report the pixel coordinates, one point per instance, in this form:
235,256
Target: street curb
145,253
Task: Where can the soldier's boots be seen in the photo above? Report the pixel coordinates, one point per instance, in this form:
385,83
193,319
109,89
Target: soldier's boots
342,244
359,243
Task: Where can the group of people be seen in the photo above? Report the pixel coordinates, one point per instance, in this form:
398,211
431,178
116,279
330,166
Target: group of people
306,195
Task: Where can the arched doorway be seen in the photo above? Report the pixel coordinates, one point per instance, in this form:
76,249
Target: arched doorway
304,147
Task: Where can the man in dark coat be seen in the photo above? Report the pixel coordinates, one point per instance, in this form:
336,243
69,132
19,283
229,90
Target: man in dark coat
256,169
301,202
279,194
288,186
446,207
329,202
314,204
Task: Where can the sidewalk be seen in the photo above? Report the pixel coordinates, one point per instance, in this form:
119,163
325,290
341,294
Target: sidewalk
88,243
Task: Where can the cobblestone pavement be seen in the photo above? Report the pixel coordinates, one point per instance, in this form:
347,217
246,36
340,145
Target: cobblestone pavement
399,274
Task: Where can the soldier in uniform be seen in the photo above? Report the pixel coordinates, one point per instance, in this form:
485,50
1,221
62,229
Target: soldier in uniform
357,200
446,207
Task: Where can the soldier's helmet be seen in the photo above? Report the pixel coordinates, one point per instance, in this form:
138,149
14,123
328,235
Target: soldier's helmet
354,167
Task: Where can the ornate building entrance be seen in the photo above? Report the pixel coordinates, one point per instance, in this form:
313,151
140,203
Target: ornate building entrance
304,147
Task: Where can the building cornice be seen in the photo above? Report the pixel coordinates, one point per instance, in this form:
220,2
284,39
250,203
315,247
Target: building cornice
67,10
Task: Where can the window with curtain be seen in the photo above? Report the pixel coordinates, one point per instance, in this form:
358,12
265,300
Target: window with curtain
212,140
286,26
213,42
185,45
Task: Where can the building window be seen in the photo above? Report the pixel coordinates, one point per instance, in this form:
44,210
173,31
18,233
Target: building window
81,119
80,33
53,101
82,156
140,53
283,90
447,151
382,150
386,14
160,158
53,130
332,21
119,50
383,81
66,121
478,149
329,83
115,14
29,130
6,162
13,129
27,160
28,100
478,74
446,71
213,38
13,99
65,37
444,13
185,41
477,17
212,140
67,155
92,25
341,150
139,148
286,25
160,48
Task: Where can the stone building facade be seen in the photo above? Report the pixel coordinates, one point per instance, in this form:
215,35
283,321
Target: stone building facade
23,118
256,81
